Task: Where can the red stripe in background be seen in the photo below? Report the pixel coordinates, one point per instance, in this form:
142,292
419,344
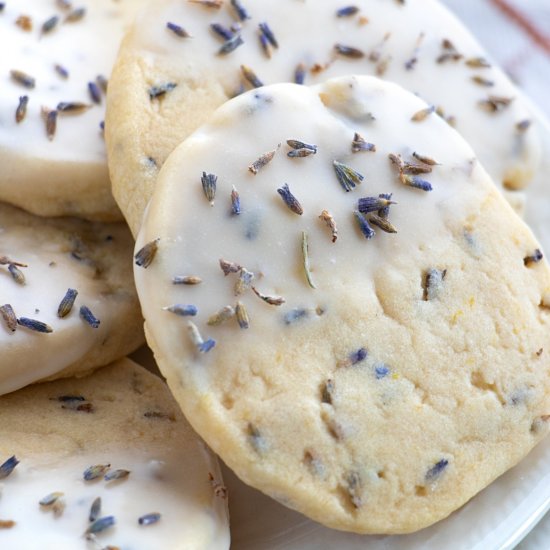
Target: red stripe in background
522,21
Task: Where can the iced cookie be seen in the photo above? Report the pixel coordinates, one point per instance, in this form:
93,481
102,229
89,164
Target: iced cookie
344,306
67,298
182,59
57,57
106,461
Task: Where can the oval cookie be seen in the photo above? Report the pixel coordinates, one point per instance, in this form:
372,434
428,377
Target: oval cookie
54,69
344,306
182,59
67,298
106,461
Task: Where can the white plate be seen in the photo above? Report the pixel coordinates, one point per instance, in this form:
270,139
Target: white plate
497,518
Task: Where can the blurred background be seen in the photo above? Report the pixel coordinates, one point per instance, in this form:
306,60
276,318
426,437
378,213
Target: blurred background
517,34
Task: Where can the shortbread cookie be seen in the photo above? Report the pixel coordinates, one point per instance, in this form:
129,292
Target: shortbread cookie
182,59
106,461
57,57
344,306
68,302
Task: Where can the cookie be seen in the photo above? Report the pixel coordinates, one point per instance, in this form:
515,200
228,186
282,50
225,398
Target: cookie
106,461
56,62
344,306
68,302
181,60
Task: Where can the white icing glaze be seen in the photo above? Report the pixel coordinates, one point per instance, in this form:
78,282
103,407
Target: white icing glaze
157,483
307,32
171,469
194,235
28,356
86,49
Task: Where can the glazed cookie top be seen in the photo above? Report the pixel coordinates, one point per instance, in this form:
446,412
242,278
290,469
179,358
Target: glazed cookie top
182,59
106,461
67,298
54,69
344,306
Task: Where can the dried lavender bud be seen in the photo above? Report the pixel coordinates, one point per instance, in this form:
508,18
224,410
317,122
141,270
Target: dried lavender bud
21,111
186,280
242,315
95,509
449,53
203,346
478,63
364,226
149,519
373,204
66,304
177,30
160,90
146,254
416,182
182,310
95,472
229,267
534,258
87,316
383,223
8,466
290,200
433,283
251,77
72,108
262,161
240,10
95,92
231,45
271,300
22,78
244,281
326,216
327,392
75,15
436,470
348,51
347,176
7,313
50,24
116,474
268,33
300,74
347,11
100,525
423,114
34,325
17,274
359,145
209,182
235,202
495,104
424,159
223,32
224,314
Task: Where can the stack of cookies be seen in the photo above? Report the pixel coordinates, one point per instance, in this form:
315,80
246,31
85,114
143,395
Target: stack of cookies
330,259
